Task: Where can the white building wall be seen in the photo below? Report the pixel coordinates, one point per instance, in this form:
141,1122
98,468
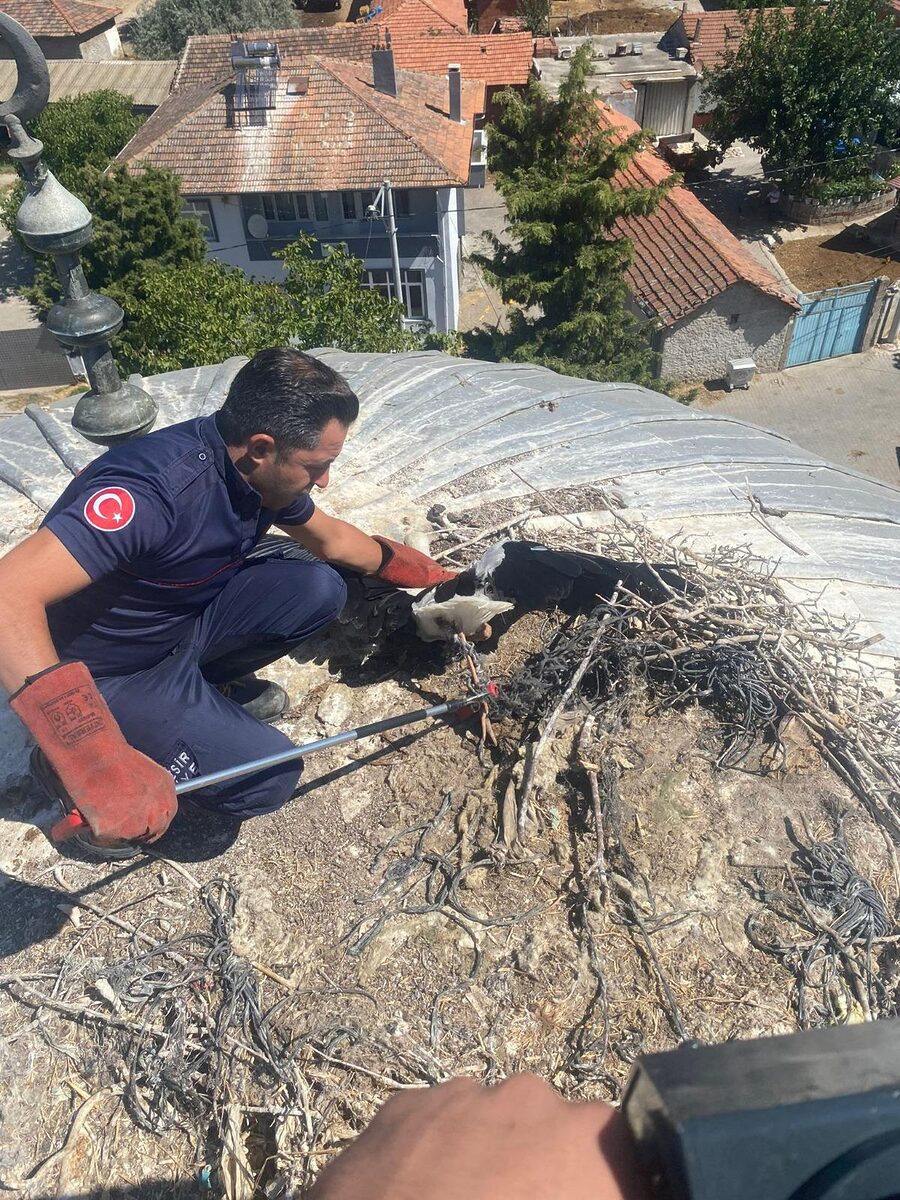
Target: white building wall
103,45
231,244
450,216
741,322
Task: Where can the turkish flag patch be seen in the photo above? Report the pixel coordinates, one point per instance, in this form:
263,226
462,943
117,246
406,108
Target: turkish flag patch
109,509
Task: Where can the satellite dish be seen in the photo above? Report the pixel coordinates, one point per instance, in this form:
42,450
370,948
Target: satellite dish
258,226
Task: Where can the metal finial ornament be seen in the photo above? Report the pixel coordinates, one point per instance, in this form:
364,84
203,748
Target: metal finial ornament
52,221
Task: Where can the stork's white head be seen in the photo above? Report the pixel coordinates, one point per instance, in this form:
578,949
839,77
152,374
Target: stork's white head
439,621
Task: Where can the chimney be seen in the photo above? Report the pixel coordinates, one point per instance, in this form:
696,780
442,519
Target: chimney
454,75
383,74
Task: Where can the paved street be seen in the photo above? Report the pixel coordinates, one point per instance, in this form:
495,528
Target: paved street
846,409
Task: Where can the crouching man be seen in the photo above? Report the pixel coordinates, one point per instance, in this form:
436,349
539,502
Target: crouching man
132,622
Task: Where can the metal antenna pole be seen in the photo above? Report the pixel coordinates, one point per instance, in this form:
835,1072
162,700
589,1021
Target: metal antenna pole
52,221
392,235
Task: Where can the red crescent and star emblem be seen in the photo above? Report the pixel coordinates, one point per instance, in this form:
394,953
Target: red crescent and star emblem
109,509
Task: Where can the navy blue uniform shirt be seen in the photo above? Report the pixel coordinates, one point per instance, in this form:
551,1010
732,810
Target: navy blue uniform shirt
161,524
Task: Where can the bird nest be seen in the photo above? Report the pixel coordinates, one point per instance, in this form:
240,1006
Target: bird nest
621,871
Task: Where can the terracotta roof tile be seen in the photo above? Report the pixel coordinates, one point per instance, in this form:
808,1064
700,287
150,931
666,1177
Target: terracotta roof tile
340,134
496,59
710,34
512,25
58,18
683,255
208,56
422,16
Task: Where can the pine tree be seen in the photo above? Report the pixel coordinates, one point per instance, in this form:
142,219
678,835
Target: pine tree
561,263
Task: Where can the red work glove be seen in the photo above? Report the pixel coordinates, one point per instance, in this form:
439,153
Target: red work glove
122,794
407,568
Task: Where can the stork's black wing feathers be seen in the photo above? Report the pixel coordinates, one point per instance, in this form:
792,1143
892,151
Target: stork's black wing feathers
533,576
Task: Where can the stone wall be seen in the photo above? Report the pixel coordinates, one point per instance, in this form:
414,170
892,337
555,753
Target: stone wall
806,211
742,322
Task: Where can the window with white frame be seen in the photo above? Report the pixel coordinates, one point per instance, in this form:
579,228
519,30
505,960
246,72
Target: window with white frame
198,209
412,283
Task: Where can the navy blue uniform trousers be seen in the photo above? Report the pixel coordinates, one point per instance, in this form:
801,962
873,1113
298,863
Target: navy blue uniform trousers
173,712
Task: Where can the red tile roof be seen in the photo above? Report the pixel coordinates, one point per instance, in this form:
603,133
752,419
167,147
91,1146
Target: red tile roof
516,24
496,59
421,16
710,34
208,56
340,134
59,18
683,255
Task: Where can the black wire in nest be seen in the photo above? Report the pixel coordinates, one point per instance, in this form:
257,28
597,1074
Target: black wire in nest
531,691
197,1012
729,681
842,914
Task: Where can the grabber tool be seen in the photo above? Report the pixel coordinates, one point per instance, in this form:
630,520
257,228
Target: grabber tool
73,822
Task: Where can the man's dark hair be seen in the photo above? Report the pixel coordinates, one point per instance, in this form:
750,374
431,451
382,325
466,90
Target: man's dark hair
287,395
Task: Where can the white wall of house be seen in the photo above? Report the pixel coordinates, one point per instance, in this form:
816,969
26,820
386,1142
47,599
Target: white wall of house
452,226
103,45
230,243
741,322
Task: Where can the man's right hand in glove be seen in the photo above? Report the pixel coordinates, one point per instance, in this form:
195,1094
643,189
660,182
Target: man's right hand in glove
120,793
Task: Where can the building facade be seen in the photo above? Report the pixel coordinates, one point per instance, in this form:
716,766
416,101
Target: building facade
305,142
429,226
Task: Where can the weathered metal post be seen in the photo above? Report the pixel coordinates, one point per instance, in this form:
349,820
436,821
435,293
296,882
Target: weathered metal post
53,221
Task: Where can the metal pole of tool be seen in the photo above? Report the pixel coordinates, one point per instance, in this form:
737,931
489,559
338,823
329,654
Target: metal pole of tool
339,739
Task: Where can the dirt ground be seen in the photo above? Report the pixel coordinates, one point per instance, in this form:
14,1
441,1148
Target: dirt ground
529,969
587,18
833,260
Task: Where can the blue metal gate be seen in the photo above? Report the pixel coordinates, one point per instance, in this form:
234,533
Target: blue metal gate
831,323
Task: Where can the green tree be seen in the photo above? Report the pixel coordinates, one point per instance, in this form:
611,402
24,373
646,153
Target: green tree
137,220
84,131
333,307
561,263
205,312
535,14
162,28
812,91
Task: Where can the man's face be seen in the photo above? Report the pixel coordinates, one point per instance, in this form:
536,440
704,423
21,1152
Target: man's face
281,478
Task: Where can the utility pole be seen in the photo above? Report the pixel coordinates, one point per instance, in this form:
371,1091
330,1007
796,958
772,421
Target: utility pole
391,226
